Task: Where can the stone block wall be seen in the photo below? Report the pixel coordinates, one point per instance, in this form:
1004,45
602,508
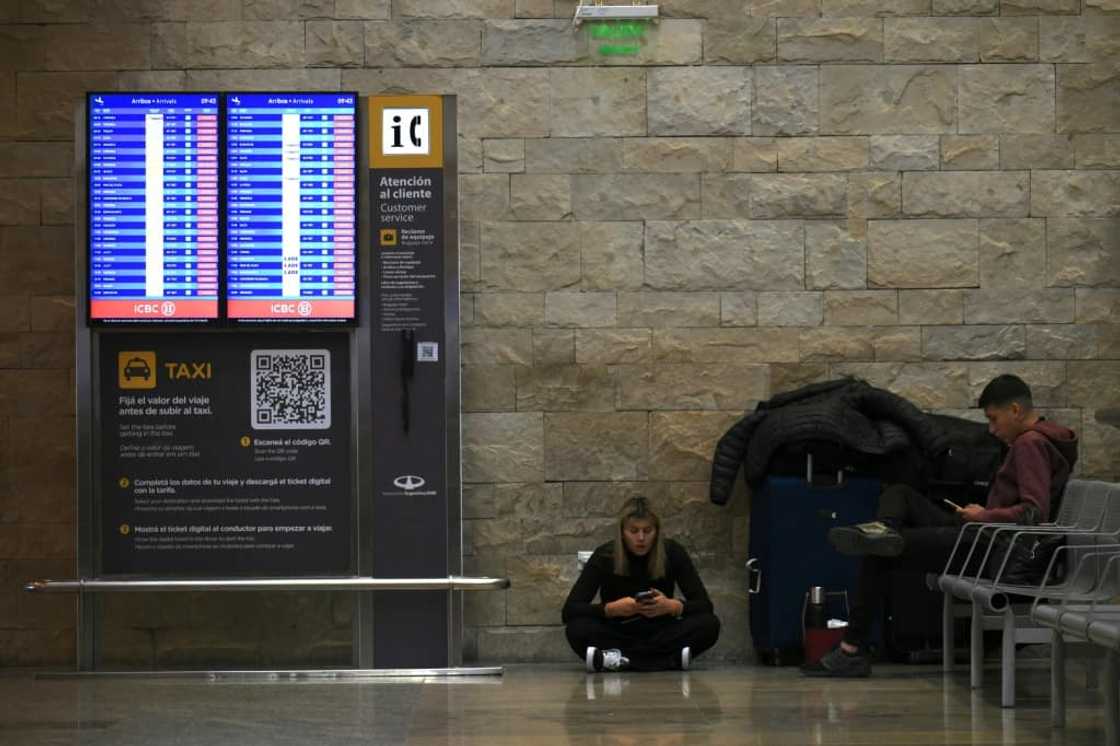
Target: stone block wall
923,193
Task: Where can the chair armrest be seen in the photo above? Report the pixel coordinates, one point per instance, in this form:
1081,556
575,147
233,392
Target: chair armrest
1112,551
953,553
980,528
1101,594
1021,531
1012,524
976,542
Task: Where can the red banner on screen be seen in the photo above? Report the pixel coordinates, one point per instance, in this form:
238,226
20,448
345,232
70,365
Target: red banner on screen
153,309
290,309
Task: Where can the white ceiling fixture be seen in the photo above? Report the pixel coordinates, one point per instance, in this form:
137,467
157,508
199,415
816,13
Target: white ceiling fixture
597,11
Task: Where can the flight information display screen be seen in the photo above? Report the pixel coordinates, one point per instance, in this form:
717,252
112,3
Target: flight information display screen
153,206
290,207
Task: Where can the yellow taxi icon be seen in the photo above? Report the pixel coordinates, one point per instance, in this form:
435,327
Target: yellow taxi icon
136,369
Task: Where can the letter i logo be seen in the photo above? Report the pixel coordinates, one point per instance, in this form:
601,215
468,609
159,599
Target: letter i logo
405,132
397,133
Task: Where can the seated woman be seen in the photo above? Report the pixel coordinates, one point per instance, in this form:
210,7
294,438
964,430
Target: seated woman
637,623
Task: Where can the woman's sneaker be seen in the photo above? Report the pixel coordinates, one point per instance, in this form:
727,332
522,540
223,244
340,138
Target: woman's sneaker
876,538
611,659
838,664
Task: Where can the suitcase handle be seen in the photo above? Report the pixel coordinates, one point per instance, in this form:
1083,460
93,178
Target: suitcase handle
809,473
754,576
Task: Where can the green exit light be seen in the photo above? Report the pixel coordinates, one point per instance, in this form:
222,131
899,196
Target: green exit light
618,38
620,50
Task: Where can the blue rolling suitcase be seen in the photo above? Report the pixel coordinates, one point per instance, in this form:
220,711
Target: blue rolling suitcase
789,552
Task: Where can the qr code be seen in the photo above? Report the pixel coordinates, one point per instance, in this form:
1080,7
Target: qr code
427,352
291,389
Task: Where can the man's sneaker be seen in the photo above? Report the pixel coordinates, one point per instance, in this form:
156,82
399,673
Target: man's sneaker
611,659
875,538
838,664
686,658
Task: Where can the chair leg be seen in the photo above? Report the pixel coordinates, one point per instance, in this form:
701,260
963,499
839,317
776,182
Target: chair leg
1112,699
976,659
1007,659
1058,680
948,642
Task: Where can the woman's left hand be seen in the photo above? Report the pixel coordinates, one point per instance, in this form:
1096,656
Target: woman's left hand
660,605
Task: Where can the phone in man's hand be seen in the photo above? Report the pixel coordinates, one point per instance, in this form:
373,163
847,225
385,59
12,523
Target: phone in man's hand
644,597
951,504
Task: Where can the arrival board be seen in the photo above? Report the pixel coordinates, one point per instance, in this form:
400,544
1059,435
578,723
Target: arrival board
153,206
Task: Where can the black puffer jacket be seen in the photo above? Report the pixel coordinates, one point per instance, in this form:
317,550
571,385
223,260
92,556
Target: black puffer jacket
848,412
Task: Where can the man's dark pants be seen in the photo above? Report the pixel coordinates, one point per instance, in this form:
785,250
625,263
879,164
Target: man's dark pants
930,533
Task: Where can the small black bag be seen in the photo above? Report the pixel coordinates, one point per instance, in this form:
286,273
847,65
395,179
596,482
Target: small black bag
1030,557
970,458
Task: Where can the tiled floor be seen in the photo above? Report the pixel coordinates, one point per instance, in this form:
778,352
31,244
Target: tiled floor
550,705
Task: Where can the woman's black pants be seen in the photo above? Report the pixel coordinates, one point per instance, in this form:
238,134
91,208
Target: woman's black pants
650,644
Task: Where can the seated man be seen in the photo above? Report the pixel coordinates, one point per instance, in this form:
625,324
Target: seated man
638,624
915,533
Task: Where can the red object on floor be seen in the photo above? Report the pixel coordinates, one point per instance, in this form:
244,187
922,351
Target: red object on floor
820,641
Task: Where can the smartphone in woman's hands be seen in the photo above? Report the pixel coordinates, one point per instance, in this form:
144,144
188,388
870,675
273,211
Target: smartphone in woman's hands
644,597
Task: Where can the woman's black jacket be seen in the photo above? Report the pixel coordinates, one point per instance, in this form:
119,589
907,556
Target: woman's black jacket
598,577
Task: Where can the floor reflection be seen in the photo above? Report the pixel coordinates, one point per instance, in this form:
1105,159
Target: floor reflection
555,704
664,709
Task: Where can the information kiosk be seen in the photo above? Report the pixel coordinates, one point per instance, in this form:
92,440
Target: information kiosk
268,358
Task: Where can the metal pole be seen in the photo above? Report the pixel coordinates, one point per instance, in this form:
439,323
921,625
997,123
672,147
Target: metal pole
330,674
1058,680
99,585
85,371
1111,698
451,385
1007,659
948,636
976,656
361,364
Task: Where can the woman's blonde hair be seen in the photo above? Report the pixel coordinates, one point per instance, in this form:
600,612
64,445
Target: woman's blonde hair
639,507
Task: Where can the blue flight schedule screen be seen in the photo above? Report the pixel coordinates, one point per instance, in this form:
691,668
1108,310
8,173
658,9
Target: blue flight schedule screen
153,206
290,207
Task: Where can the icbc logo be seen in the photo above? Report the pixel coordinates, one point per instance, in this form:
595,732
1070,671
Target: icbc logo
167,309
303,308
